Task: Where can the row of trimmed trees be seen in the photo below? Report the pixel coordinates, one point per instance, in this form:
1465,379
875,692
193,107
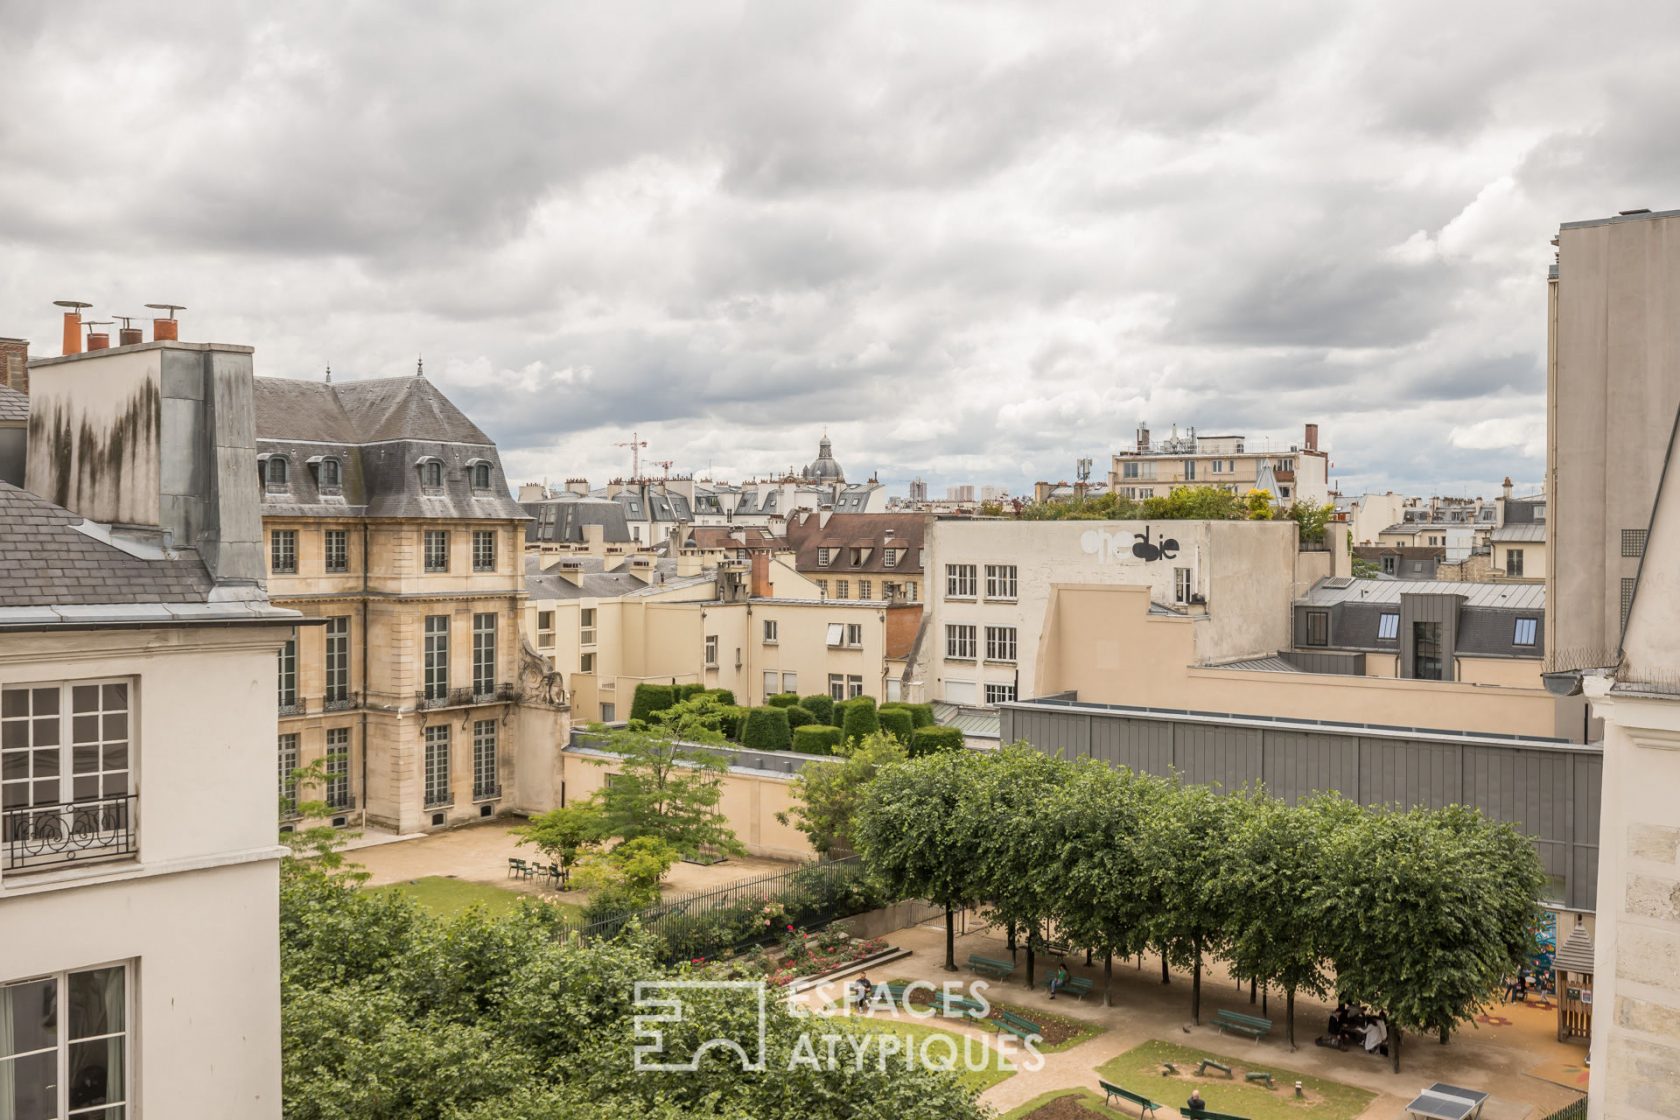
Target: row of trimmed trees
1418,913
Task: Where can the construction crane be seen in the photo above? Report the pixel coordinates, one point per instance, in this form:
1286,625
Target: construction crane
635,445
664,465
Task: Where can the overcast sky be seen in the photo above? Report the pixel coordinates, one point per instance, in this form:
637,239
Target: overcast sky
975,241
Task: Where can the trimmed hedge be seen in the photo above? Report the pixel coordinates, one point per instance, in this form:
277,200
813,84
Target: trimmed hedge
651,698
860,719
733,719
687,691
798,717
928,740
920,714
724,696
820,706
897,723
766,729
816,738
782,700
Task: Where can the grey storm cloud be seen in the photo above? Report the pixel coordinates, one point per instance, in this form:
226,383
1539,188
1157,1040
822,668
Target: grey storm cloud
974,241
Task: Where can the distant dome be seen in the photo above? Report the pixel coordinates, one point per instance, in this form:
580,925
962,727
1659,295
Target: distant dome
824,468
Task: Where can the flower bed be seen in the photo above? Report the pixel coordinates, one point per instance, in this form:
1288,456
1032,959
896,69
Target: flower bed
806,954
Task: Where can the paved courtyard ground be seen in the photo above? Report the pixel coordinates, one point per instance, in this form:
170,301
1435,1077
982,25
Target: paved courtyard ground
1514,1056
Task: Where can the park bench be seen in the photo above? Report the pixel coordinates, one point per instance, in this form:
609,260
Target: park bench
1146,1107
957,1007
1201,1070
519,867
1204,1114
1251,1025
1260,1075
1077,986
990,966
1018,1026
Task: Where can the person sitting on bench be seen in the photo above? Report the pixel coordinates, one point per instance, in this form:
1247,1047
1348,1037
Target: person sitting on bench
1196,1100
1058,981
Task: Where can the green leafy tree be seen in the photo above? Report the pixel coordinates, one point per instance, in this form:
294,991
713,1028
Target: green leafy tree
828,794
666,790
703,717
1184,836
565,834
915,833
1311,519
1257,505
1015,854
1364,569
626,878
1194,503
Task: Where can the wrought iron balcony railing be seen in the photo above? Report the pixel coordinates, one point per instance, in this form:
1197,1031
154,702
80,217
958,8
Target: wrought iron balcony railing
79,832
465,697
342,703
487,793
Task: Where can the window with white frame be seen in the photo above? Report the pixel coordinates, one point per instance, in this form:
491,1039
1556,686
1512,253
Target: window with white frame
484,653
854,687
484,550
336,550
1513,562
68,744
586,662
866,589
842,589
437,656
282,551
836,634
1000,581
822,588
854,634
824,556
960,581
891,557
1183,585
1000,694
959,641
770,631
1388,626
486,780
960,692
437,765
286,766
64,1045
287,677
437,550
338,659
586,626
772,682
1000,643
790,682
712,650
338,768
837,686
545,629
1526,630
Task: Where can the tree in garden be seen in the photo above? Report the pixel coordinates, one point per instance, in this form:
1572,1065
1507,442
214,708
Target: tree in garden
666,790
625,879
565,834
1425,913
1257,505
1184,835
827,794
915,834
1311,519
702,718
1102,897
1267,885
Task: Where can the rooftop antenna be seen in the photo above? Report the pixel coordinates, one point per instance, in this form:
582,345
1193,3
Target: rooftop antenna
420,366
1082,469
635,445
329,373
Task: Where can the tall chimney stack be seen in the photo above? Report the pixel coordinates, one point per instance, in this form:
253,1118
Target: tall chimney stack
72,324
165,328
129,334
1312,437
14,363
97,340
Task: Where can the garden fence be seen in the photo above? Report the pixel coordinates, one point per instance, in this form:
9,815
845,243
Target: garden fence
1576,1111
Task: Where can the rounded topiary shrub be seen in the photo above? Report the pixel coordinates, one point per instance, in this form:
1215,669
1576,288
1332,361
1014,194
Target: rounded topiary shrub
798,717
920,714
820,706
860,719
897,723
723,694
766,729
782,700
816,738
651,698
927,740
687,691
733,718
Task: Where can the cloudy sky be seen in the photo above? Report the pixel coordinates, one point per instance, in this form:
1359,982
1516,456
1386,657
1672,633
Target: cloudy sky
975,241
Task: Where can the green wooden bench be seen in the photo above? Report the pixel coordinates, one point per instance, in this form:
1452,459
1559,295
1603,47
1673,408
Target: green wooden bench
991,966
895,992
1260,1075
1169,1069
1251,1025
1204,1114
1146,1107
1201,1070
957,1007
1077,986
1018,1026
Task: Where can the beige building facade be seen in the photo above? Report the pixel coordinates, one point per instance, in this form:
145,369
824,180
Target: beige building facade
1154,467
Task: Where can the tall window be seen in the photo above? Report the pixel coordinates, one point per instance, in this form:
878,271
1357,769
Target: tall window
437,550
1190,469
484,654
1513,561
854,633
1000,643
288,676
1182,586
545,629
1000,694
866,589
822,588
1388,626
790,682
337,550
338,659
282,550
1318,628
1526,630
64,1045
770,631
854,687
287,765
837,686
960,581
842,589
1426,651
431,475
1628,583
711,650
1000,581
891,557
586,626
338,768
486,781
586,664
62,743
330,474
437,656
278,470
824,555
481,476
959,641
484,550
437,765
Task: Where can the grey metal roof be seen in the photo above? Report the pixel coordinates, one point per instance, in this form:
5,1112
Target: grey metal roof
46,561
975,723
561,520
594,583
1513,596
14,406
1530,531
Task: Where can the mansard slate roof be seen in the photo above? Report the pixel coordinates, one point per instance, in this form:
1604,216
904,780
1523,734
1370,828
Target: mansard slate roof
13,405
561,520
47,561
380,430
845,531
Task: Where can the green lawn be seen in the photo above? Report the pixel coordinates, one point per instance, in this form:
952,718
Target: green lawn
997,1068
1139,1070
1090,1099
447,897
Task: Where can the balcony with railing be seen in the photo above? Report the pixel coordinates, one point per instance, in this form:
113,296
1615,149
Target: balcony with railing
503,693
91,831
341,702
490,792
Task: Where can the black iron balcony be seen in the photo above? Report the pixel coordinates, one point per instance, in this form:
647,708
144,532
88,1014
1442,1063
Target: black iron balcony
341,802
80,832
343,702
443,799
297,706
465,697
487,793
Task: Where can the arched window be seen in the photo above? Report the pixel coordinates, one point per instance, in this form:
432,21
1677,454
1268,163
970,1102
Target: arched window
481,476
431,475
331,477
277,470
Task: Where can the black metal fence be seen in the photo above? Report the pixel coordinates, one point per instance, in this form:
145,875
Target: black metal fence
79,832
1576,1111
744,914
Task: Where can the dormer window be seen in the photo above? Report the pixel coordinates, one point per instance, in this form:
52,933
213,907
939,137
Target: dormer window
481,476
276,472
331,474
431,473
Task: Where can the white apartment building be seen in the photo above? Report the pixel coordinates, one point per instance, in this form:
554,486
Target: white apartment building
990,585
1234,463
139,961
